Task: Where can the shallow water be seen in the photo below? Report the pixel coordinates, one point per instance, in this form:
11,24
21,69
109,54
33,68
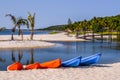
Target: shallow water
63,50
25,32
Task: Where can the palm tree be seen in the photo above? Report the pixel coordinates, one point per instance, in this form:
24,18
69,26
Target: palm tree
118,33
31,20
84,27
2,28
102,23
111,28
13,18
20,22
76,29
17,23
70,25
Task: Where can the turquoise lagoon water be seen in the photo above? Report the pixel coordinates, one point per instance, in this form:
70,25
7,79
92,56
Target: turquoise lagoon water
25,32
63,50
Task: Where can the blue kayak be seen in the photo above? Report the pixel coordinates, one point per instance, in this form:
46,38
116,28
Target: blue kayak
90,59
74,62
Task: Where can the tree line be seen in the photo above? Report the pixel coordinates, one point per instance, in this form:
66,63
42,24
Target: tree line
96,24
103,25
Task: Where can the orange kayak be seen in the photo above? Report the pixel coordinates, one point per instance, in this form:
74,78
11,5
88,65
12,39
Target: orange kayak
51,64
15,66
33,66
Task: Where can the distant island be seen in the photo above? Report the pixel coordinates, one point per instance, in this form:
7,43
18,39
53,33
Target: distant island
55,27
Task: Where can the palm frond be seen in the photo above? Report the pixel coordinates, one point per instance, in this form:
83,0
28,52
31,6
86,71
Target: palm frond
25,22
31,19
21,21
13,18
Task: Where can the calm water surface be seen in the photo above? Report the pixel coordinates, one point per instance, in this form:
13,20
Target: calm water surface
25,32
63,50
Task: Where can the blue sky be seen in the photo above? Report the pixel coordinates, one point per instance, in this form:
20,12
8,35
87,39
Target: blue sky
56,12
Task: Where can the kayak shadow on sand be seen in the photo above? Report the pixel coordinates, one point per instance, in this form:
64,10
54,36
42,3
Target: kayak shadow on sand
89,66
95,65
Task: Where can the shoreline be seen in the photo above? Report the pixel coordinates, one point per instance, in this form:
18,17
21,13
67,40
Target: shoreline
96,72
39,41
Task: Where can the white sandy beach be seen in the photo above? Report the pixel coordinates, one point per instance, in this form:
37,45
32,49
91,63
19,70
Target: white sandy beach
24,44
43,37
100,72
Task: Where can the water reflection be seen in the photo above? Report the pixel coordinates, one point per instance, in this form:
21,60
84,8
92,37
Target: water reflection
63,50
117,45
32,56
19,56
2,60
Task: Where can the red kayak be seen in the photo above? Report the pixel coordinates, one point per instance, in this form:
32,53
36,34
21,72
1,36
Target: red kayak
33,66
15,66
51,64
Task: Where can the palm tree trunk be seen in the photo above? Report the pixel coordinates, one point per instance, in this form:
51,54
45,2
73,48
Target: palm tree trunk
13,30
12,36
32,33
76,34
21,34
84,34
19,31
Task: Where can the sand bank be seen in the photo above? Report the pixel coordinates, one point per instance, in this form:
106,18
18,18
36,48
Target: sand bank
5,41
38,41
44,37
99,72
24,44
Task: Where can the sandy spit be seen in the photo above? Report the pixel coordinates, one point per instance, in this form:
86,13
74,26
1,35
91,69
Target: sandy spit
39,41
98,72
24,44
44,37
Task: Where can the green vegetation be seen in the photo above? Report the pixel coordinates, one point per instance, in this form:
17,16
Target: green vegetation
2,28
102,25
96,24
31,20
17,22
56,27
54,32
14,23
109,25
